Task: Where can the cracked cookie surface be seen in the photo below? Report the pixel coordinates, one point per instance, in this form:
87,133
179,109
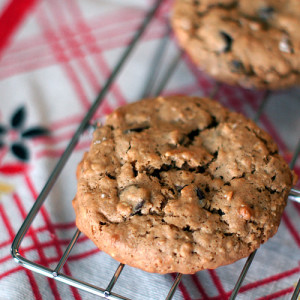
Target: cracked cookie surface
255,44
180,184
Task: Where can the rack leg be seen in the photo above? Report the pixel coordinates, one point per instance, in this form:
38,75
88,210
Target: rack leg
174,286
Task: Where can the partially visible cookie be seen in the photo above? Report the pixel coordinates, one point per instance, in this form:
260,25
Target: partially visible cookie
180,184
255,44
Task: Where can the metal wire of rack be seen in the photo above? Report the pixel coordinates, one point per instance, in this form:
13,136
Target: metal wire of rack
55,273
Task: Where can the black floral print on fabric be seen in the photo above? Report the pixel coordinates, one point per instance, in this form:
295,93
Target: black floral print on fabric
18,145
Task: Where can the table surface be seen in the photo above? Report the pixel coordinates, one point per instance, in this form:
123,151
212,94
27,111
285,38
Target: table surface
54,58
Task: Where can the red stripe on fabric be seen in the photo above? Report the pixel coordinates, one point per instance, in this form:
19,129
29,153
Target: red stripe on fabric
104,109
54,139
4,244
199,286
36,61
38,55
49,153
297,207
70,225
71,42
12,169
67,225
43,245
217,283
38,58
277,294
59,152
165,8
50,260
74,257
91,43
262,282
270,279
293,231
11,271
52,231
35,288
61,57
42,58
3,153
110,20
38,245
6,222
5,258
11,17
52,244
10,230
84,255
68,121
183,289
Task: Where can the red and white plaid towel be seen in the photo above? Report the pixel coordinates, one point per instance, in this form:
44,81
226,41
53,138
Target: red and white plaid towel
54,57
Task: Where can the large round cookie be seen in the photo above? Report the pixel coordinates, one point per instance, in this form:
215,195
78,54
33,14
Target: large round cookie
180,184
254,43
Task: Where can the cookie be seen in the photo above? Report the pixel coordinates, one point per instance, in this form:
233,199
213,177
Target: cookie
180,184
255,44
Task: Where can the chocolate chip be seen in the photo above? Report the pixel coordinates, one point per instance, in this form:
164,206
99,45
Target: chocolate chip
200,169
155,173
228,41
214,123
138,207
187,228
201,197
237,66
135,171
266,12
136,129
217,211
136,197
192,135
228,234
220,212
179,188
110,176
200,194
215,154
185,166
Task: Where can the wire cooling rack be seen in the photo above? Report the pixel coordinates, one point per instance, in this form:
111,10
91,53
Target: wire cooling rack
106,292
